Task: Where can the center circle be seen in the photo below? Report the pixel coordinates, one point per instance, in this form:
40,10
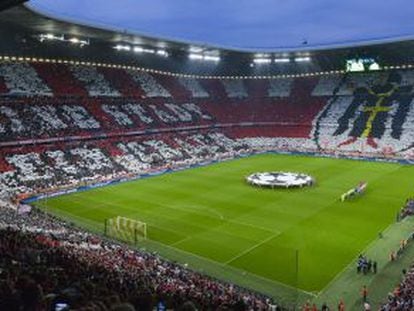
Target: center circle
280,179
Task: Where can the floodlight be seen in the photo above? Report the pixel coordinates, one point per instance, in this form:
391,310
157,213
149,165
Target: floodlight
162,53
262,60
120,47
195,56
212,58
302,59
282,60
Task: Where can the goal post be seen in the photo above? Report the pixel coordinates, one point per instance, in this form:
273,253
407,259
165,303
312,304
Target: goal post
126,229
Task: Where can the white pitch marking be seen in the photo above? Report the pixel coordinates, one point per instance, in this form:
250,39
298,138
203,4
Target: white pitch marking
246,251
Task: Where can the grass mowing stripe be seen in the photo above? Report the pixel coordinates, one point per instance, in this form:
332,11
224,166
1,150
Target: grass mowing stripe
226,266
126,208
285,294
223,223
190,210
99,223
219,216
251,248
209,208
251,225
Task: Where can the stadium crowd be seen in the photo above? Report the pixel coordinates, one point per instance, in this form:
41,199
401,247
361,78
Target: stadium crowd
407,209
80,163
46,261
333,118
402,298
98,130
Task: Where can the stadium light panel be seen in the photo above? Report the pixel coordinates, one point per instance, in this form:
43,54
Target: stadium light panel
282,60
208,58
138,49
162,53
212,58
149,51
374,66
302,59
50,37
262,60
195,56
120,47
80,42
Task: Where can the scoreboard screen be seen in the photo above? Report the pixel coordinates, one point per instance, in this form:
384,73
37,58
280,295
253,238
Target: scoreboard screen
362,65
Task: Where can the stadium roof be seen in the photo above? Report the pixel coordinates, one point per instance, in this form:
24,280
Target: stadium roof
24,20
262,25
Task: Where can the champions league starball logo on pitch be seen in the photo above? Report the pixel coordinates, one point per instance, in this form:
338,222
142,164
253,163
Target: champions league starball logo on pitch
279,179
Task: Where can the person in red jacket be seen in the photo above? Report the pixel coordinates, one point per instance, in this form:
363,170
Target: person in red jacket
306,306
364,293
341,305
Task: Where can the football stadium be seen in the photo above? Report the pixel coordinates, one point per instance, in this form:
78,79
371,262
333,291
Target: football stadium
153,170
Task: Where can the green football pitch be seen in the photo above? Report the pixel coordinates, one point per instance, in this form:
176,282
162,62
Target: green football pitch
211,219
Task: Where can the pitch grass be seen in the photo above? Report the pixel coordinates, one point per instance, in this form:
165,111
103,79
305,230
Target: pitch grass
301,238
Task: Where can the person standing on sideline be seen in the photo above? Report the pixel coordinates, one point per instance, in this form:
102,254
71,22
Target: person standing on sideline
341,305
364,293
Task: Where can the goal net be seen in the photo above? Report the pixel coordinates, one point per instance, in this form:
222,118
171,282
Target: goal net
125,229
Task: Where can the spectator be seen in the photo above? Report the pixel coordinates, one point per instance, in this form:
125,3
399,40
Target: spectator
53,262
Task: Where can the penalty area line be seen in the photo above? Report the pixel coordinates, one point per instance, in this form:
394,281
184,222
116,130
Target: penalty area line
248,250
245,272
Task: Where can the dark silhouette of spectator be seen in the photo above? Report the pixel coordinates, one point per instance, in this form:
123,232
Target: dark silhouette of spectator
364,293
